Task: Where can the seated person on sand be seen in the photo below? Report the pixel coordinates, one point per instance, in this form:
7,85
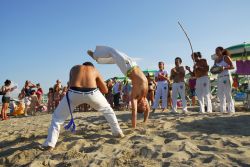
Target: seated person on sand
108,55
85,86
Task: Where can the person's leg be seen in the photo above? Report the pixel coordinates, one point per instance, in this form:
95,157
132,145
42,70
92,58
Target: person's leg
221,95
108,55
228,95
146,113
60,115
174,96
199,90
182,89
207,95
164,96
99,102
157,97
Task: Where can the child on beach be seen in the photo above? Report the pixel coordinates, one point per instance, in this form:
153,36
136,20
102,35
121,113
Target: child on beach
50,100
57,96
34,102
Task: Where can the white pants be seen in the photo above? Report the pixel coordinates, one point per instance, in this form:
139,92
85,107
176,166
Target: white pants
179,88
161,91
225,94
108,55
96,100
203,90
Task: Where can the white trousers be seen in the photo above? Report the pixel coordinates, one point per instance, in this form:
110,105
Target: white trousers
108,55
161,91
203,90
179,88
225,94
96,100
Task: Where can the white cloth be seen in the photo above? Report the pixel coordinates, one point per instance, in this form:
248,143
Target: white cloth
95,99
225,94
223,64
161,91
108,55
203,90
179,88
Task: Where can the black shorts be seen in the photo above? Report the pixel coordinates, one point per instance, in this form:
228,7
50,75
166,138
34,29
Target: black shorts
5,99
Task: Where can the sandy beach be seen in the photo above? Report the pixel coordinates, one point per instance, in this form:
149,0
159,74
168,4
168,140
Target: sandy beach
191,139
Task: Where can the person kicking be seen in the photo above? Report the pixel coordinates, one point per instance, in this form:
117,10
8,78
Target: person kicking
86,85
108,55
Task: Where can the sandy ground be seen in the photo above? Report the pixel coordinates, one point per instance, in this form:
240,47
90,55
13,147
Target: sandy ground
191,139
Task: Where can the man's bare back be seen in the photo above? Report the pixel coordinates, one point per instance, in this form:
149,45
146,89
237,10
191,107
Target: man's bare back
84,76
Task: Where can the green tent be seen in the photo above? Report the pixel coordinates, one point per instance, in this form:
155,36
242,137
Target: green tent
240,52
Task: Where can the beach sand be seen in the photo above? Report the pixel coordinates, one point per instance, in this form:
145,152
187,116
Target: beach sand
191,139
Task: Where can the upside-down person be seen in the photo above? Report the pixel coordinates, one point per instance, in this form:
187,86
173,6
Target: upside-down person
108,55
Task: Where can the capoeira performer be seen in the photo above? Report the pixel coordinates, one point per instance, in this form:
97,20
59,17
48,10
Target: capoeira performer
178,86
161,77
108,55
225,80
86,85
202,88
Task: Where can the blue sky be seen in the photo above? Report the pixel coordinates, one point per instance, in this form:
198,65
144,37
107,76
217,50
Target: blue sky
41,40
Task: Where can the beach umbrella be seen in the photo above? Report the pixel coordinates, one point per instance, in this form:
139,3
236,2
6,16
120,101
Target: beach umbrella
240,52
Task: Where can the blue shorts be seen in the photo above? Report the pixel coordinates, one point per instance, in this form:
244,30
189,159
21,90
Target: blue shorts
192,92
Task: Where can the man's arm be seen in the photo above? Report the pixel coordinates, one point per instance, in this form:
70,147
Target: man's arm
134,111
101,84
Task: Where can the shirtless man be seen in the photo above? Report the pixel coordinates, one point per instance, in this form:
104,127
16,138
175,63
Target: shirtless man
84,82
108,55
178,87
200,71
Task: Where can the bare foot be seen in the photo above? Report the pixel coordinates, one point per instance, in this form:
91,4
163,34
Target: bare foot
47,148
119,135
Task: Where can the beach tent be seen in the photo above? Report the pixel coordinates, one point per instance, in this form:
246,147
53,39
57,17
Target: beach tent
150,72
240,52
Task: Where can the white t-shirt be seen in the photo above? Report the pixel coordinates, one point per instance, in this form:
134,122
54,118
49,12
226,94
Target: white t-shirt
164,72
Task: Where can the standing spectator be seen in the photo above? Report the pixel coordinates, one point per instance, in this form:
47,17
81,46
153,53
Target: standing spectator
162,80
6,89
51,100
109,95
117,94
178,86
225,80
39,92
64,91
126,92
58,84
151,89
57,96
28,87
191,84
34,103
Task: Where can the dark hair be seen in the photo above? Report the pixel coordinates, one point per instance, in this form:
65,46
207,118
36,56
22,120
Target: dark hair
161,62
178,58
220,48
87,63
51,89
7,82
226,52
197,54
